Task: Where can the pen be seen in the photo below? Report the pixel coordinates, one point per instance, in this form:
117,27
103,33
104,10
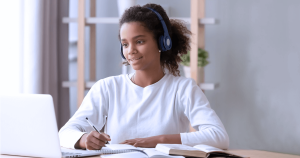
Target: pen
94,127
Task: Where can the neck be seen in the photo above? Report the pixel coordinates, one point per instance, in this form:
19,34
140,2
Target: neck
144,78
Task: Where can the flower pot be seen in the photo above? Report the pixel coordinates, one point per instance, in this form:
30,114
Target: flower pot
187,73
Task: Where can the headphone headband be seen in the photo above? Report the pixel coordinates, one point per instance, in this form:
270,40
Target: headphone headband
162,21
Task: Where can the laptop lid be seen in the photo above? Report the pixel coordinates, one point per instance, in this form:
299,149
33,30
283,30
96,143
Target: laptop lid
28,125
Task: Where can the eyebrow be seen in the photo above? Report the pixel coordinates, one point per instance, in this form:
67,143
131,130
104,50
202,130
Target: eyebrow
135,37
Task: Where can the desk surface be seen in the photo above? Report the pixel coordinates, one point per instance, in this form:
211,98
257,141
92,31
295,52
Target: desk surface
262,154
249,153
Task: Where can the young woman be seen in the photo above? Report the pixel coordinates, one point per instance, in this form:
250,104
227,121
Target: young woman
149,106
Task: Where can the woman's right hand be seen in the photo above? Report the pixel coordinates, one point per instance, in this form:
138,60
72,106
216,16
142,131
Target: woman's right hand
92,141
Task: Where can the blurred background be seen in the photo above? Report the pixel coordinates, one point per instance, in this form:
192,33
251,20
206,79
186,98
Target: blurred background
254,58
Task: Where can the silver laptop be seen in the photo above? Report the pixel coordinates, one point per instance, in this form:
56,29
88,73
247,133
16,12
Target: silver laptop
28,127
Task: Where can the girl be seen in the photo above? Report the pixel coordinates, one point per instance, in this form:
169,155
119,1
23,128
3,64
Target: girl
149,106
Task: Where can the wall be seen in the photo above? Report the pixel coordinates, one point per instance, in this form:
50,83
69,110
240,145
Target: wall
254,56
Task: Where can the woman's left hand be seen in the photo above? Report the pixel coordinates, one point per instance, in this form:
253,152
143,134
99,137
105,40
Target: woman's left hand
149,142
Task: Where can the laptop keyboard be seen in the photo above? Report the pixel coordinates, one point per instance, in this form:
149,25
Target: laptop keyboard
69,153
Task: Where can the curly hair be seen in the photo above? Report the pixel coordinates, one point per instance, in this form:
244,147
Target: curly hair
177,30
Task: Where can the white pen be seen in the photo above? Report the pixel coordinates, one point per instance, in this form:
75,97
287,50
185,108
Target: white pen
94,127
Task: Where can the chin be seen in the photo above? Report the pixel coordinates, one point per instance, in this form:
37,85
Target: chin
136,67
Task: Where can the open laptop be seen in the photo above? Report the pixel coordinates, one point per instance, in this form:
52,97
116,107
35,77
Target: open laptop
28,127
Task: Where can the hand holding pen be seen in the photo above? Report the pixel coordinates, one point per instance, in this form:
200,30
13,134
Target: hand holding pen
96,139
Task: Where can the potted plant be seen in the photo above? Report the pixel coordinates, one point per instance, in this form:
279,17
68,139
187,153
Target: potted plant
202,62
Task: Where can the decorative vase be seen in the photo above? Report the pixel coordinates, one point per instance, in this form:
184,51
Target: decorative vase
187,73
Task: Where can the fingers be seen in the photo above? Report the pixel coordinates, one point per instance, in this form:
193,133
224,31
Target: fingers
149,142
140,143
92,146
96,141
129,142
106,135
93,143
137,144
103,137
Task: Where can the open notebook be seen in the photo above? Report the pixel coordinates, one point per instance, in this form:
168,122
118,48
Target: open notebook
125,150
200,150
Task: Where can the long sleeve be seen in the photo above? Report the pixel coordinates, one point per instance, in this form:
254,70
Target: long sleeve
95,107
210,130
207,134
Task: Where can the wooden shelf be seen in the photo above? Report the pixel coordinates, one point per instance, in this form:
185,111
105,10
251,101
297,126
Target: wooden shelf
115,20
208,86
68,84
89,84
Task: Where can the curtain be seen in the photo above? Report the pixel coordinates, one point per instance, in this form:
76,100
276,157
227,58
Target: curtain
41,60
45,54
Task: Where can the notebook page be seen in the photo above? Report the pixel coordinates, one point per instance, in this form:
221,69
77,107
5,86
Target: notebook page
126,155
152,153
176,146
141,148
121,146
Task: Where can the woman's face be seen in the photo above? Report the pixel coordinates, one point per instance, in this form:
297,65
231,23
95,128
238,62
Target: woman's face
139,46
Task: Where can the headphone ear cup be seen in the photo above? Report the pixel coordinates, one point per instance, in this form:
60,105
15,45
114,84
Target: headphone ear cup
161,43
167,42
122,55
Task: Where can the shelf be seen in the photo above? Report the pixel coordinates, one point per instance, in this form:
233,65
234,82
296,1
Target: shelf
68,84
115,20
208,86
89,84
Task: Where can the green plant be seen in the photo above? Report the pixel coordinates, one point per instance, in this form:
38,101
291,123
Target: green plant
202,56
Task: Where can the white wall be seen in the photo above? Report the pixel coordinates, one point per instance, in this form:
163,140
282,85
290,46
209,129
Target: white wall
255,56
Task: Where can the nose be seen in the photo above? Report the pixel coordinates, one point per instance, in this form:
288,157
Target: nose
131,49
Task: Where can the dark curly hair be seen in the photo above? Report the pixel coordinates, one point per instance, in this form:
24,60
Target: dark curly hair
177,30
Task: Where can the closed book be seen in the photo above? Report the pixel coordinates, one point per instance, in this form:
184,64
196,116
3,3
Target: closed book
201,150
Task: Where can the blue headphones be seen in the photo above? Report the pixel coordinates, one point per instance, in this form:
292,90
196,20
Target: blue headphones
164,41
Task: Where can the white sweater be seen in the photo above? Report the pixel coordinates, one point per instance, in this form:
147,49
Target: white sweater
165,107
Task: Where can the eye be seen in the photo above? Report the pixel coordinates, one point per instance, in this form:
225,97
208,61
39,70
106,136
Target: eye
124,44
140,41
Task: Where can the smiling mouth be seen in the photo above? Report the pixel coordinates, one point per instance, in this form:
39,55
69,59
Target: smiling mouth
136,59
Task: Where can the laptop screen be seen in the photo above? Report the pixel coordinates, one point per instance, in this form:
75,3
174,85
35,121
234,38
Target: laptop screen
28,126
